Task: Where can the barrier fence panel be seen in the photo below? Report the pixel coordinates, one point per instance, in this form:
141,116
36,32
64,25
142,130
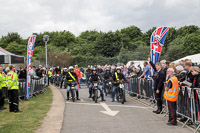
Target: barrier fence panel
188,104
140,87
36,86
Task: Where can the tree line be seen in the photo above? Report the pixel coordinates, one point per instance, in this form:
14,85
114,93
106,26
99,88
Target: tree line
96,47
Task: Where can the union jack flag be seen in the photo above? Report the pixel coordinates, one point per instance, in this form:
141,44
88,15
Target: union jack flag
157,42
30,48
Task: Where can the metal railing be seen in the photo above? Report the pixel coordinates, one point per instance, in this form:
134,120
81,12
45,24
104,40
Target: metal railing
37,86
188,104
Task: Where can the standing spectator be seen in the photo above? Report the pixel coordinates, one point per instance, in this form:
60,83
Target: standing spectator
2,88
22,73
82,70
180,73
125,71
88,72
196,81
13,87
159,79
146,72
138,71
171,95
78,73
33,72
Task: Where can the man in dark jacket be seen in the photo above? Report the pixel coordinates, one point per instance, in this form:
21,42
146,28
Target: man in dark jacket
22,74
118,76
94,77
107,76
88,72
159,79
71,77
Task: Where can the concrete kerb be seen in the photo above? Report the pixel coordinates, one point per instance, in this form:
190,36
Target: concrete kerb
52,123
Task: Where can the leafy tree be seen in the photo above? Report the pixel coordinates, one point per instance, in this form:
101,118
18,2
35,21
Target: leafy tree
191,43
108,44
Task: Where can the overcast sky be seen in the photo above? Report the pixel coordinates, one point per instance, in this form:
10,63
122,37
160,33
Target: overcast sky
35,16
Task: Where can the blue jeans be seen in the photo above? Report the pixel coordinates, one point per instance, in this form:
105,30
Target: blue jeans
114,89
68,88
100,89
103,85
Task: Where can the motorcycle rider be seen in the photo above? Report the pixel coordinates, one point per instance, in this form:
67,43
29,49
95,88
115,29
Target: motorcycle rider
95,77
107,76
118,76
71,76
64,73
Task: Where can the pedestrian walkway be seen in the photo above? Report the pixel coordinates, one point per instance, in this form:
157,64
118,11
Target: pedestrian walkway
52,123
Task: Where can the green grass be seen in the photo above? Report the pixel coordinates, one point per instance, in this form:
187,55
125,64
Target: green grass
30,119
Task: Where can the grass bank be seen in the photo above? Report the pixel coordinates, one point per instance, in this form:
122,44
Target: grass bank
30,119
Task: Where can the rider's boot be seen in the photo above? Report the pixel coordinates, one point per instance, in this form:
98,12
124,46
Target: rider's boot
90,92
102,97
68,95
113,97
77,95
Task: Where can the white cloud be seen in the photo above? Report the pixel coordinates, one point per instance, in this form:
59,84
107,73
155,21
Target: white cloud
27,16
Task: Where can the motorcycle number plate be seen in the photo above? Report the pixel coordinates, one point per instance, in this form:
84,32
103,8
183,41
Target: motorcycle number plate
95,84
121,85
110,83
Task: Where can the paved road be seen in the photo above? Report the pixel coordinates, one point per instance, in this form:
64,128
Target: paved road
84,116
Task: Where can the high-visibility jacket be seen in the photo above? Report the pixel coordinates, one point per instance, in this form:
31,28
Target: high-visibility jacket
50,74
3,75
78,72
1,80
172,94
12,80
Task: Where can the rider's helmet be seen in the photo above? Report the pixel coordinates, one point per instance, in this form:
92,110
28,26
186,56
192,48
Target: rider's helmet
118,68
94,69
108,69
71,68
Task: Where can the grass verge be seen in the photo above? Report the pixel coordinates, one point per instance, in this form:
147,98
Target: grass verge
30,119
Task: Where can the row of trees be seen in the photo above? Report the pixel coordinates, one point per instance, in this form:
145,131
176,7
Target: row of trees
91,47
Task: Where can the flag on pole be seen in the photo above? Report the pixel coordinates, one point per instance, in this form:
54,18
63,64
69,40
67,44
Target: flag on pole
30,48
157,42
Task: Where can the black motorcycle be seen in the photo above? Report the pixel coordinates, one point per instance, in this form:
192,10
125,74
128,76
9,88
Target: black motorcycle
108,87
72,89
120,92
95,91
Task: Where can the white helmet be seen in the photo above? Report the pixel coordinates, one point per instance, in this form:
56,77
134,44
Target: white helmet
71,67
118,68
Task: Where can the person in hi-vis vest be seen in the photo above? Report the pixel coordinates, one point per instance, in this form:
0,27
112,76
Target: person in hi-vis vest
13,87
171,95
72,77
2,88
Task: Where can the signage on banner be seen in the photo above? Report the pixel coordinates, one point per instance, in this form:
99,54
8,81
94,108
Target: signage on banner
30,48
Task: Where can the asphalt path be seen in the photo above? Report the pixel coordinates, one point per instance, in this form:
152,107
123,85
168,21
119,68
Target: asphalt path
85,116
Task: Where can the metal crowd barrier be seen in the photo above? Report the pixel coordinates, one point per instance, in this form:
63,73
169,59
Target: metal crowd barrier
188,104
140,87
37,86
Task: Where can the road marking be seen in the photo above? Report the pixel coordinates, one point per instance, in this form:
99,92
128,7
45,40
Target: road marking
108,110
96,104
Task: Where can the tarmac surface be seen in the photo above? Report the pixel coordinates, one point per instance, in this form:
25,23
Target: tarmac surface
85,116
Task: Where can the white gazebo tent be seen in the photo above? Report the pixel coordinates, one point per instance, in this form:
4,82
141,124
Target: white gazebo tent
194,58
10,58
